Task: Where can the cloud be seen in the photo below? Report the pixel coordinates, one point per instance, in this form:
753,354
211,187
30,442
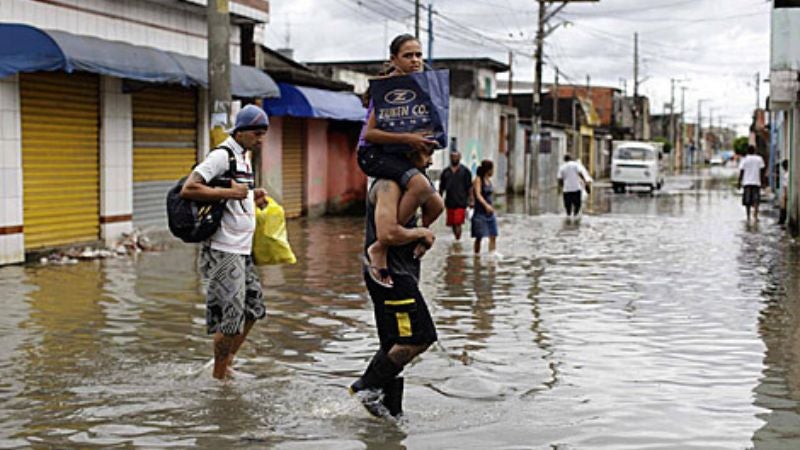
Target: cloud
716,46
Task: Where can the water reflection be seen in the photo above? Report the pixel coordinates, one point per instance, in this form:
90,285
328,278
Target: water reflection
658,321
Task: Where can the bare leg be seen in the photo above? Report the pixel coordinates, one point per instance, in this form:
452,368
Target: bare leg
492,243
238,340
222,351
417,194
403,354
457,231
755,211
747,208
477,245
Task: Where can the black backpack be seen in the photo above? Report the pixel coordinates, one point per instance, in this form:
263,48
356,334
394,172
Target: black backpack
195,221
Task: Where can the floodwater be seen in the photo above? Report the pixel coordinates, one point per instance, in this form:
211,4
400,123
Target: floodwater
658,321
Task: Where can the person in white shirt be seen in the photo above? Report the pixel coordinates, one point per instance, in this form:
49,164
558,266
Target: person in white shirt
572,177
751,171
234,300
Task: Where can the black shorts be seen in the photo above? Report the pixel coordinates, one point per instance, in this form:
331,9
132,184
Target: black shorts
377,163
401,315
751,195
572,202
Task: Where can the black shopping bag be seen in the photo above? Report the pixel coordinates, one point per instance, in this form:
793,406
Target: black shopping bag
413,103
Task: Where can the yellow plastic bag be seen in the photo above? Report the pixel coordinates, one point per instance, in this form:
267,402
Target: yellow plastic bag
270,244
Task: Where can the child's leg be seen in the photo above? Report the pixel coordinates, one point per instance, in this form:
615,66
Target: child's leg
419,193
492,243
477,245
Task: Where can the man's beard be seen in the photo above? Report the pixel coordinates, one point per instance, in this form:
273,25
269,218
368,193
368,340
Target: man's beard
454,163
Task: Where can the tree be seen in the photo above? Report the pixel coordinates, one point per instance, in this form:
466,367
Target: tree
740,145
667,144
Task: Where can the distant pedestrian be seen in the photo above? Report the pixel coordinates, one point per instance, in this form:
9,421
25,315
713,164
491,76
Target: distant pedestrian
455,185
484,222
572,180
234,300
751,171
784,177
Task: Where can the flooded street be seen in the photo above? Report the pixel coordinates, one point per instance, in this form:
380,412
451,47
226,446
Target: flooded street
658,321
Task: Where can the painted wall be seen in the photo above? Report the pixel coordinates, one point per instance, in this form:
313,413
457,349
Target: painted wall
476,125
271,159
316,166
347,184
134,21
549,163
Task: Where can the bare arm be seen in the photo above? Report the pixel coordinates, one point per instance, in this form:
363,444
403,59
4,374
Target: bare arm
195,188
390,233
377,136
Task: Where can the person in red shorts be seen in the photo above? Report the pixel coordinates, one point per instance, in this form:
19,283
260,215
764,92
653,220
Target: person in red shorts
455,185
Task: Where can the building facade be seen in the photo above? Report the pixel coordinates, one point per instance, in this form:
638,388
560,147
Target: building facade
785,97
103,105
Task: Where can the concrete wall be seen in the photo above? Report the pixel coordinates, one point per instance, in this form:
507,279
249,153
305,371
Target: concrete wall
347,184
793,210
134,21
550,162
12,245
316,166
516,161
116,160
476,125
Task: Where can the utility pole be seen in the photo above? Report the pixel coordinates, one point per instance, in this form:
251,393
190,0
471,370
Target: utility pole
699,145
758,89
430,35
672,117
219,69
635,86
555,99
532,166
510,78
683,122
536,118
416,18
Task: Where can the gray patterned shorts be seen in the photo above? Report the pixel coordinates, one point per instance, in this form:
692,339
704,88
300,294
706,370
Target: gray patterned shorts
233,291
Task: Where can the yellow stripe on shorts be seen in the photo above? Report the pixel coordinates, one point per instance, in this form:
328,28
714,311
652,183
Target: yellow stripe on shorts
403,324
408,301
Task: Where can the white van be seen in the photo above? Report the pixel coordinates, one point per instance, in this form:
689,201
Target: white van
636,163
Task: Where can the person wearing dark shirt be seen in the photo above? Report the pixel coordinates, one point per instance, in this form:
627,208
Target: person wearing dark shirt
405,326
455,185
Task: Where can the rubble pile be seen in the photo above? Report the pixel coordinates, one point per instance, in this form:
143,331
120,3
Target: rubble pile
129,244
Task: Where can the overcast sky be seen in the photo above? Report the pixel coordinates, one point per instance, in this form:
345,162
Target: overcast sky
716,46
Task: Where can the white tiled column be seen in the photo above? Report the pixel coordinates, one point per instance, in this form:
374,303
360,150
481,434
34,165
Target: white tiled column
12,244
116,160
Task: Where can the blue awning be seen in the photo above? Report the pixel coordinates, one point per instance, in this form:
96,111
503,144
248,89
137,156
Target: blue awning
36,50
301,101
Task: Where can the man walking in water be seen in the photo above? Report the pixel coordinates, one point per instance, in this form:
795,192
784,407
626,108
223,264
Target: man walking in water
233,299
572,177
751,170
455,186
405,326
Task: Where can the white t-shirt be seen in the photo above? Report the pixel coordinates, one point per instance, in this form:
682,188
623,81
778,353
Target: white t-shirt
570,173
235,234
752,165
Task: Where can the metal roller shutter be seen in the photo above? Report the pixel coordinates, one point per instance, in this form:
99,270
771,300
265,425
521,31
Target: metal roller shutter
60,158
164,148
293,167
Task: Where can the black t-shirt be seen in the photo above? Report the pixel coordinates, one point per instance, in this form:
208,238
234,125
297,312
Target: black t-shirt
400,258
456,186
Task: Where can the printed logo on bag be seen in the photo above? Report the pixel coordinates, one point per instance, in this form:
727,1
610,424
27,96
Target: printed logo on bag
400,96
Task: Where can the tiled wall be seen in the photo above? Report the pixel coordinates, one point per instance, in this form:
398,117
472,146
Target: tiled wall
11,237
116,160
138,22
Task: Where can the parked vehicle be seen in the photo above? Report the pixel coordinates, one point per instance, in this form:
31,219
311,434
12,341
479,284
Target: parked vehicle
635,163
717,160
